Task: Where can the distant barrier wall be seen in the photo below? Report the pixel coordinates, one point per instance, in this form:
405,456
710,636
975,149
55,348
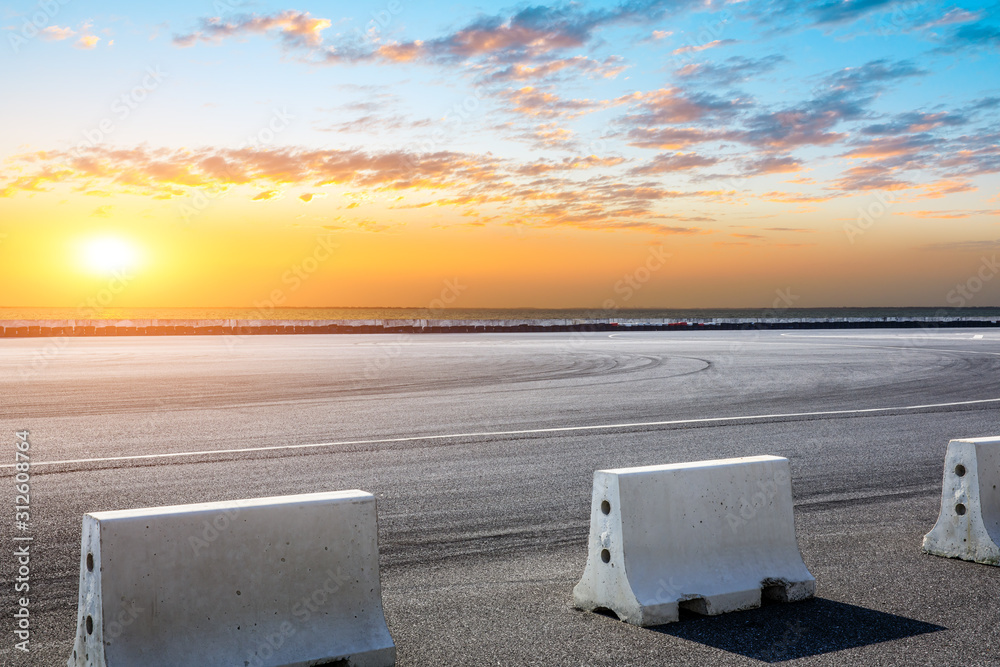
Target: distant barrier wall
50,328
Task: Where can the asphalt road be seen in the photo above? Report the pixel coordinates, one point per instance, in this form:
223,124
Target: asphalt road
484,505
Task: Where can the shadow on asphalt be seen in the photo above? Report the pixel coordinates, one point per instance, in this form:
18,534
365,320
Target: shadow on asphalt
779,632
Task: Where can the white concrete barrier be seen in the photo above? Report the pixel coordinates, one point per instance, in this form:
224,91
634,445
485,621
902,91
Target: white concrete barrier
968,526
291,580
708,536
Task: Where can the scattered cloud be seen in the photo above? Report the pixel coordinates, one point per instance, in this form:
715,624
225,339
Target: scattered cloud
772,164
916,122
942,188
730,71
54,33
87,42
870,177
551,135
951,17
608,68
843,11
962,246
532,101
671,162
948,215
545,193
672,138
534,31
671,106
691,48
895,146
795,197
294,29
977,35
590,162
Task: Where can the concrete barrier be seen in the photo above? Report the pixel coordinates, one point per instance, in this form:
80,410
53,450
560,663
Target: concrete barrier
707,536
968,526
291,580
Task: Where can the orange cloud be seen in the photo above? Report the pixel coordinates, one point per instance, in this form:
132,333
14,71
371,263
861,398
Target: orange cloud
794,197
670,138
589,162
608,69
671,162
773,164
532,101
692,48
87,42
945,187
535,192
401,53
891,147
54,33
294,27
872,176
947,215
672,105
550,134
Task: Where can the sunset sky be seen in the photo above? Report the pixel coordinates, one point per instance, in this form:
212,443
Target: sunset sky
364,154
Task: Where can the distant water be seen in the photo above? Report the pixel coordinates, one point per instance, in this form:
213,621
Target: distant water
478,313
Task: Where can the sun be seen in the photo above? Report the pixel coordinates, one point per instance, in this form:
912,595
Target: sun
109,255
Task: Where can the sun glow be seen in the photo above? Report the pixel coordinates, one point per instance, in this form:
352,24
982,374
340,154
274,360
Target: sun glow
109,254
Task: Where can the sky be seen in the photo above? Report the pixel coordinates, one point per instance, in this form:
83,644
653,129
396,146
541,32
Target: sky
603,155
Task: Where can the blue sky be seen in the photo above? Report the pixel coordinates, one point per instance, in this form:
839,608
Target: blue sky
732,130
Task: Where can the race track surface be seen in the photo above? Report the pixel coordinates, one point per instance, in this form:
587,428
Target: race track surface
481,450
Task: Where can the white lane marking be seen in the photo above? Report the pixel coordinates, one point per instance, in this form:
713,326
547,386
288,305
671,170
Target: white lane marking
915,336
559,429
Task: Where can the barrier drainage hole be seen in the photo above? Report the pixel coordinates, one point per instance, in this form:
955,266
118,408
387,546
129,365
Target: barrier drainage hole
90,562
90,625
605,507
605,555
960,509
960,470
